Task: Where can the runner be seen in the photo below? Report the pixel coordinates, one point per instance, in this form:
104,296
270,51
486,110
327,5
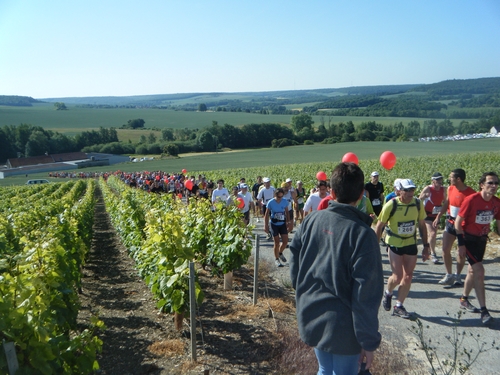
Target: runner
375,191
255,192
472,226
266,193
220,194
457,191
288,197
299,203
247,197
393,194
277,214
314,199
433,196
402,215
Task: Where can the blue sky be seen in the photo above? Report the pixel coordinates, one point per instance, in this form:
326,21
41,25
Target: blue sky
66,48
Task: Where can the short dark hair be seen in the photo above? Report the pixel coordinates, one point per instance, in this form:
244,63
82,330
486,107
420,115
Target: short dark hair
321,183
347,182
279,190
482,180
220,180
459,173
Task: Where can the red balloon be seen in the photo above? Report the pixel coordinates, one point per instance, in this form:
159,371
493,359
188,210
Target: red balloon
179,196
388,159
321,176
184,171
240,203
189,184
350,157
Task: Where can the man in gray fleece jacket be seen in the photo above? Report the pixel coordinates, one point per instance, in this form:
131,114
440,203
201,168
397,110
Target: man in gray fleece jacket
336,270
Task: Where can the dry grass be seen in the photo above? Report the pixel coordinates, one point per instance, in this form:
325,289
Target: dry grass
280,305
265,268
391,358
167,348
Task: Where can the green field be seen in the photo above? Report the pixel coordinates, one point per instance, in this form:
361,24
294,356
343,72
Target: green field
76,120
318,153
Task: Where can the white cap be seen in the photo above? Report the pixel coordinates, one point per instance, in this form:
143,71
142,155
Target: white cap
406,183
266,179
288,180
397,183
374,173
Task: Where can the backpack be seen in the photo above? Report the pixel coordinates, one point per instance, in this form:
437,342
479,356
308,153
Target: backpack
393,211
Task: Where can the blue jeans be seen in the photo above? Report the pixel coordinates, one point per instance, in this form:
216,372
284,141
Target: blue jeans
335,364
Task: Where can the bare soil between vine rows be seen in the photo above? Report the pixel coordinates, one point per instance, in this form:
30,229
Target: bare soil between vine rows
233,336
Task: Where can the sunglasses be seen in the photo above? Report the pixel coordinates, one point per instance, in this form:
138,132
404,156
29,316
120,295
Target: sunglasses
492,182
410,189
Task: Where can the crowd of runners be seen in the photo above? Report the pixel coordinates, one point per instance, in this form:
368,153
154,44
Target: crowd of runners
466,214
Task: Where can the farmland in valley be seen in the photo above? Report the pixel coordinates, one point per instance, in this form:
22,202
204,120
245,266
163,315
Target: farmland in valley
78,119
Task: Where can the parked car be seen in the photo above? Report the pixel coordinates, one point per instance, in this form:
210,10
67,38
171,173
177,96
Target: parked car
35,182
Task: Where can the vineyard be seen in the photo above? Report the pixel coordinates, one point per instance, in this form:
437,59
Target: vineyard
46,232
419,169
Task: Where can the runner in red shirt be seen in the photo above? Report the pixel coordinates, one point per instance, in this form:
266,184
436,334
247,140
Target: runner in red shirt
472,226
456,194
433,196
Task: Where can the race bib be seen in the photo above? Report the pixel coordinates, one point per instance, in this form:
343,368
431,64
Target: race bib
484,217
454,211
436,210
300,200
406,228
376,202
279,216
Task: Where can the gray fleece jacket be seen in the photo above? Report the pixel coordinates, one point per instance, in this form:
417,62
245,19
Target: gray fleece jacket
336,270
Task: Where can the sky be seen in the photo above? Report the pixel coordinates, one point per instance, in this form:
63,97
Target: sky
54,49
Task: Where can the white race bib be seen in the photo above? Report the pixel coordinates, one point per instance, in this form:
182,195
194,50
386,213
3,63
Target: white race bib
279,216
484,217
436,210
376,202
406,228
454,211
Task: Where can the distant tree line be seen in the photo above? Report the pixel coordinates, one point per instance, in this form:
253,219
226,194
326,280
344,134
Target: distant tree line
29,140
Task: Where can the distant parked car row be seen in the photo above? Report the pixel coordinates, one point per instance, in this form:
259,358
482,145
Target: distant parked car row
459,137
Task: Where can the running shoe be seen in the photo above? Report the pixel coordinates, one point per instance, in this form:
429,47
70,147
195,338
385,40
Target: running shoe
434,258
466,305
457,280
386,301
278,263
486,317
282,258
448,279
401,312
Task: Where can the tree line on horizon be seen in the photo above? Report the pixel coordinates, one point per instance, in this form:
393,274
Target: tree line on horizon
27,140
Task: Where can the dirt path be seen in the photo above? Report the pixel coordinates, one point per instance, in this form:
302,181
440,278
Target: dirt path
233,336
112,289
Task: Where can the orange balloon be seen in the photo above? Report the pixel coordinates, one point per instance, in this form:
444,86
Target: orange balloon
388,160
184,171
321,176
350,157
189,184
241,202
179,196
